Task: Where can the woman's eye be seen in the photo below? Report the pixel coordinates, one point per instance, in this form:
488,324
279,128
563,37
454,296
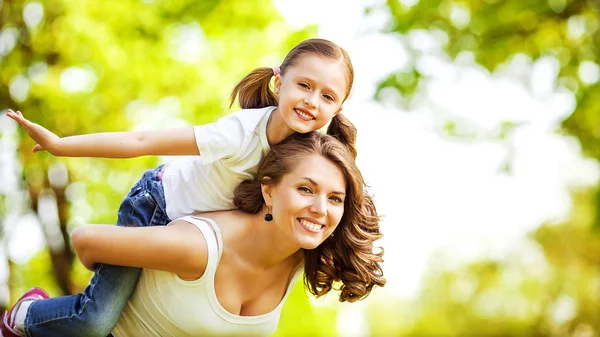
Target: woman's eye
304,189
303,85
336,200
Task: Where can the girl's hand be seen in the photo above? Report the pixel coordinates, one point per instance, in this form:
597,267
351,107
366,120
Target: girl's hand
45,139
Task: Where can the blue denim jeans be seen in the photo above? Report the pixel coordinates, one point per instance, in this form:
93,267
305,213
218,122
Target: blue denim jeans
97,310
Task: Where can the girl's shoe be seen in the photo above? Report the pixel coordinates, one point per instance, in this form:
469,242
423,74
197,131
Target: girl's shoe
7,326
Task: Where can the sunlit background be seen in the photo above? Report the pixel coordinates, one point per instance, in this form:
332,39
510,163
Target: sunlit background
479,134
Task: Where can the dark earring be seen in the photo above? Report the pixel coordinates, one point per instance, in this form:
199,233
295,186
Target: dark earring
268,216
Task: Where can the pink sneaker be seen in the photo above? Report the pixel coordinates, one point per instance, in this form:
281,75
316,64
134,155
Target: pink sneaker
7,326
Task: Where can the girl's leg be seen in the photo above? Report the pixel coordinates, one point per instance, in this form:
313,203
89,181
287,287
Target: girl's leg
97,310
94,312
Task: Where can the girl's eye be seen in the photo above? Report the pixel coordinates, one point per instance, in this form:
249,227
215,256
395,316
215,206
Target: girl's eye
304,189
303,85
336,200
329,97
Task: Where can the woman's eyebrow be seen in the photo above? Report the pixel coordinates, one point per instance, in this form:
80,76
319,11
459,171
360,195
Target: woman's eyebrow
316,184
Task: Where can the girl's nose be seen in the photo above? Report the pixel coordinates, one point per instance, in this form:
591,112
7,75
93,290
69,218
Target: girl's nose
312,100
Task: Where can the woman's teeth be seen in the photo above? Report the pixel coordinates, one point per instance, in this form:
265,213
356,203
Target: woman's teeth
310,225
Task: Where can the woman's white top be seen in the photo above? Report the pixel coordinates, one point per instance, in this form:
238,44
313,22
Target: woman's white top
230,151
165,305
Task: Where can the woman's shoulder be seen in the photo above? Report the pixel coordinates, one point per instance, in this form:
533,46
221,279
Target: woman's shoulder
233,225
227,222
221,218
205,224
202,238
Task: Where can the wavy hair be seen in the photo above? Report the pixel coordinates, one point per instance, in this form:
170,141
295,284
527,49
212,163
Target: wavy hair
348,256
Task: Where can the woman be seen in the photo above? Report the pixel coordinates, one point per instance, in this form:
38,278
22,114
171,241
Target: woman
228,273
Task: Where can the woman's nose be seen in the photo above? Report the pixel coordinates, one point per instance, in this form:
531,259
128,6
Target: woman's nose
319,206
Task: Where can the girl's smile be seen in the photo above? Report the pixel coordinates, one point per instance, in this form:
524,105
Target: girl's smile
304,114
311,92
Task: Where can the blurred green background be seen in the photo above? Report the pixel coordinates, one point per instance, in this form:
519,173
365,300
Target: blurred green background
87,66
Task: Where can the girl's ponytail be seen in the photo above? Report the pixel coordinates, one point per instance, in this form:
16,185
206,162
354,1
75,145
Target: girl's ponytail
253,90
342,129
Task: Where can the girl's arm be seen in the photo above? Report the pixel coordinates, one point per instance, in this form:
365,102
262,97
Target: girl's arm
179,141
178,248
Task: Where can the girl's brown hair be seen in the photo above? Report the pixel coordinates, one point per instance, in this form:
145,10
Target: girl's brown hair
254,90
348,255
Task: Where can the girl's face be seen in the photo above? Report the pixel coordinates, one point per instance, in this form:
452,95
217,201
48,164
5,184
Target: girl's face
311,92
308,203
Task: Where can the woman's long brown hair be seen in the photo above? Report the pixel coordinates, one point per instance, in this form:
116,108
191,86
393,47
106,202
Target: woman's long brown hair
348,256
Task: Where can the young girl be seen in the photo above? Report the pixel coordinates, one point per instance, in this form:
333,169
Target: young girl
309,88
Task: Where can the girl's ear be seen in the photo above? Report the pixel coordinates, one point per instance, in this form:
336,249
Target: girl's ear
266,189
277,84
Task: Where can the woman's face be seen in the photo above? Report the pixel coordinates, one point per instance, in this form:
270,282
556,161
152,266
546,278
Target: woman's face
308,203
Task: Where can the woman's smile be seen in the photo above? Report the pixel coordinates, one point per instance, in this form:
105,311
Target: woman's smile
311,225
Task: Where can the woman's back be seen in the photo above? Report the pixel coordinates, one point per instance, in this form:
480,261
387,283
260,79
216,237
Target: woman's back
165,305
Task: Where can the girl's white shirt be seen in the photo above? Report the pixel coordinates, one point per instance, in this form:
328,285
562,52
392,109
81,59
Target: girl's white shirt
165,305
230,151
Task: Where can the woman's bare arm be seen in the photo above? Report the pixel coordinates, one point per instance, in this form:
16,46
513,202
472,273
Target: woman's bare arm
179,248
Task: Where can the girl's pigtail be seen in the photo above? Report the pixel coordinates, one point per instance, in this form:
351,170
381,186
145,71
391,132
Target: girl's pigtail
253,90
341,128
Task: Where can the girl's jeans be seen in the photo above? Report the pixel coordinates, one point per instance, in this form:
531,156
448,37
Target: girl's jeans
97,310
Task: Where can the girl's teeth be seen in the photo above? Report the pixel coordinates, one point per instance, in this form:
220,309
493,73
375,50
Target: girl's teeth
303,114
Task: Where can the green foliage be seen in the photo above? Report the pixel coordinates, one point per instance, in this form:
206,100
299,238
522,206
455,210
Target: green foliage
494,31
300,318
549,284
37,272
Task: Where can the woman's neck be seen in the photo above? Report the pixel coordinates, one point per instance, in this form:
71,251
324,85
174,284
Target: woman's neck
259,242
277,128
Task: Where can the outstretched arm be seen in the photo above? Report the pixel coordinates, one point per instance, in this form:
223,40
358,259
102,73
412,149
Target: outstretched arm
179,141
178,248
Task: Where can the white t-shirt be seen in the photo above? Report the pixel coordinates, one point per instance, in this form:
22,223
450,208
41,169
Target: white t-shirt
165,305
230,151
